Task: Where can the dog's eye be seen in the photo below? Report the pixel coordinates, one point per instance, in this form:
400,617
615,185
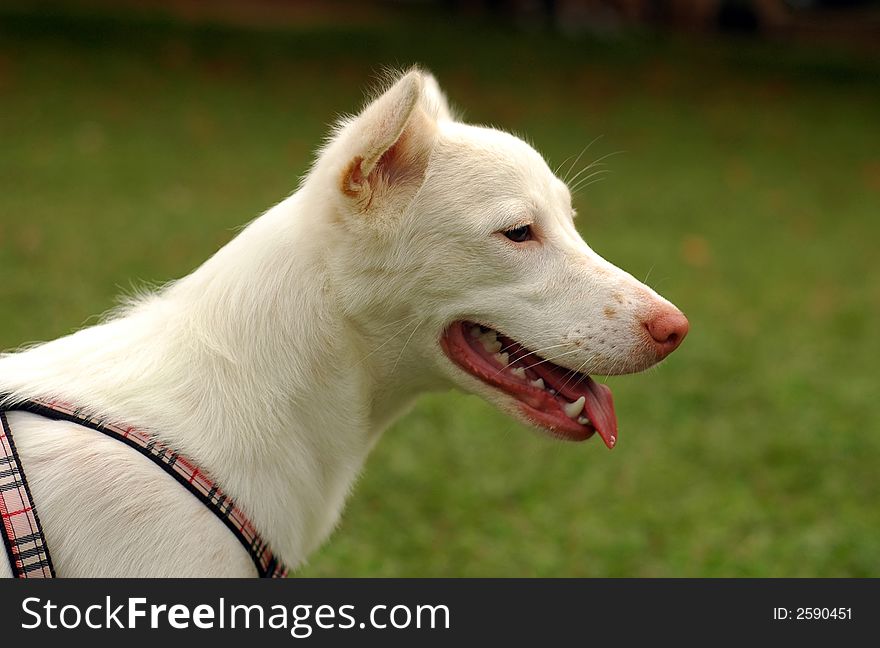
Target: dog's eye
519,234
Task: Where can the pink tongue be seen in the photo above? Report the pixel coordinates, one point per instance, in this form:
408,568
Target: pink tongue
599,407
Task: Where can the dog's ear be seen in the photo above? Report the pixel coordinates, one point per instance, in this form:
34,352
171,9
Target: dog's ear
433,99
388,145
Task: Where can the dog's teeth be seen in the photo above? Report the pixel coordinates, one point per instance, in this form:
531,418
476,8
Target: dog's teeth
575,408
501,358
519,372
583,420
476,332
490,343
539,383
552,391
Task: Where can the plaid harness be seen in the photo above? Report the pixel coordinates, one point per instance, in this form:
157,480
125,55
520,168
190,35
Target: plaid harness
23,535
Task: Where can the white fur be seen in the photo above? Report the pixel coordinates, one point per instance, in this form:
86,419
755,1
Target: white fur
277,363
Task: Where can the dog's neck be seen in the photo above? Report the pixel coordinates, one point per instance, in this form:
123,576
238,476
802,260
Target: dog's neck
299,374
251,369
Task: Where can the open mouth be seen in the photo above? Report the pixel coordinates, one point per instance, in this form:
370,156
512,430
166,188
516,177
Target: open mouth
569,404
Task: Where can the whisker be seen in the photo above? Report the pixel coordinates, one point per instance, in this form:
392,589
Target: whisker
560,165
580,187
580,155
510,364
585,169
400,355
539,351
578,178
587,177
402,329
573,181
556,357
576,160
608,155
577,371
597,162
408,318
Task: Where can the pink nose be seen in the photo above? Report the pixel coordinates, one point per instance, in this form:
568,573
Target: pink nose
667,329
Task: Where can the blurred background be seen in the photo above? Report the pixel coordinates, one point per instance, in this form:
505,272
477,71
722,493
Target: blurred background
743,144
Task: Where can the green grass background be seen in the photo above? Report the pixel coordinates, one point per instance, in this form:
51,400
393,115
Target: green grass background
748,193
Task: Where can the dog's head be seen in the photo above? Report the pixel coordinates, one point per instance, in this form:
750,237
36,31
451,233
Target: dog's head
457,256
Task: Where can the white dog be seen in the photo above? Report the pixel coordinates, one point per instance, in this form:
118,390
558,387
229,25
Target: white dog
418,253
